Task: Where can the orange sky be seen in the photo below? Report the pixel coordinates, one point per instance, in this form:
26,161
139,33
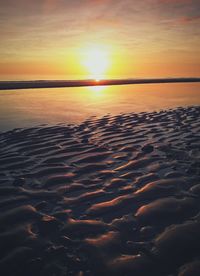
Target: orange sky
112,38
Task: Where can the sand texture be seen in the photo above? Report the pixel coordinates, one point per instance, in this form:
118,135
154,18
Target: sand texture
119,195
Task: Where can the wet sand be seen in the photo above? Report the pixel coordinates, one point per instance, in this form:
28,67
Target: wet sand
117,195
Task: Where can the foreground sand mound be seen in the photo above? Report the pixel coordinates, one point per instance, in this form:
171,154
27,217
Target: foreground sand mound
117,195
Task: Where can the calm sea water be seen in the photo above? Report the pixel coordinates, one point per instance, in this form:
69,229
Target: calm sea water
26,108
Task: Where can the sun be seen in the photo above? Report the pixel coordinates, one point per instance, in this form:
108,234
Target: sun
96,61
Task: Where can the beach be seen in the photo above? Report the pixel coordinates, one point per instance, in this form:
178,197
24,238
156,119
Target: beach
112,195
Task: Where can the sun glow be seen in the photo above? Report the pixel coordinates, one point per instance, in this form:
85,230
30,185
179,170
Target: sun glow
96,60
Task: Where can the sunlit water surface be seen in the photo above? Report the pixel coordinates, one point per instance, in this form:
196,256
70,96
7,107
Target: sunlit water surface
26,108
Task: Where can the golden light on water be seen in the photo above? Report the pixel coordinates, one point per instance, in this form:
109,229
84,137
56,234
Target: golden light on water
96,60
98,91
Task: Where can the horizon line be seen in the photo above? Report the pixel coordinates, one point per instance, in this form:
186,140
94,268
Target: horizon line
32,84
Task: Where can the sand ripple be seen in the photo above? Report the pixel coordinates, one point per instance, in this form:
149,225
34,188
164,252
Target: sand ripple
117,195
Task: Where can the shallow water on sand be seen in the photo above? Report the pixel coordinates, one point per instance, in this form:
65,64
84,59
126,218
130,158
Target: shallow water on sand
26,108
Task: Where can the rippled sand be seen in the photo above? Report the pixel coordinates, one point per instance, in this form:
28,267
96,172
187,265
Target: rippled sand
117,195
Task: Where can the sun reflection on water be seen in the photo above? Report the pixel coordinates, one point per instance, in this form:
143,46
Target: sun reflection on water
97,91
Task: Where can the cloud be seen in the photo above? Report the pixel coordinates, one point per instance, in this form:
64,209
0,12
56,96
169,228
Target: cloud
189,19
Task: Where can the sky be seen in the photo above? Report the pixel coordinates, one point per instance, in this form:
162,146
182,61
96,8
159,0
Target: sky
113,38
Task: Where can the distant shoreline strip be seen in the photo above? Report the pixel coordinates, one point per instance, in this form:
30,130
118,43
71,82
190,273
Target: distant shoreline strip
13,85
